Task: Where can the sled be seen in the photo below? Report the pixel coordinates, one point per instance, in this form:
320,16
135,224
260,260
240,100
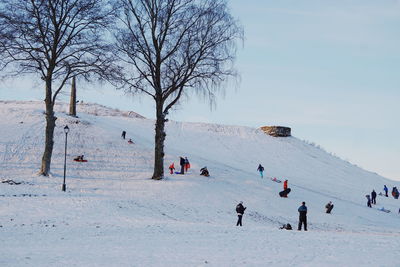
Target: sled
384,210
285,192
80,160
276,180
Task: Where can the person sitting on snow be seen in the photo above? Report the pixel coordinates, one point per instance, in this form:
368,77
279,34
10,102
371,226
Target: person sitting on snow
79,158
286,227
204,171
130,141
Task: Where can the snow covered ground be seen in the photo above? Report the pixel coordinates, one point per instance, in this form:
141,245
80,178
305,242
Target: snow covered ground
114,215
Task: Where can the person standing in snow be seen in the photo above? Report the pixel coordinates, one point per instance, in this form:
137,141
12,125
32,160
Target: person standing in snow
182,163
261,170
373,197
302,216
123,135
368,201
285,185
386,190
171,168
329,207
240,211
187,164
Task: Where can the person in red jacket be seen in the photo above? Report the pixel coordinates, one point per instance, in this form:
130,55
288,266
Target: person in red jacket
171,168
285,185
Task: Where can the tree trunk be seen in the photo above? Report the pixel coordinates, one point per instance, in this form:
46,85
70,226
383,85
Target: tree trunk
159,143
50,125
72,100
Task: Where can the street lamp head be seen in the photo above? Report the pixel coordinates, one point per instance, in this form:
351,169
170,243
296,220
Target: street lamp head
66,129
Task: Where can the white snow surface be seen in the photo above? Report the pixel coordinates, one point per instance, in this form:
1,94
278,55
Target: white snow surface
113,214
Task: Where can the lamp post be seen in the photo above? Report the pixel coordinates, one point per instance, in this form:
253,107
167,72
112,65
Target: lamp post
66,130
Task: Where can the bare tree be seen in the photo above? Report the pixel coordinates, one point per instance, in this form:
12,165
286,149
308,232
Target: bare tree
57,40
172,47
72,99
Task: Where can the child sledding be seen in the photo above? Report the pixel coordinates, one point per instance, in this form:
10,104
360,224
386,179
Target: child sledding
285,192
204,172
80,159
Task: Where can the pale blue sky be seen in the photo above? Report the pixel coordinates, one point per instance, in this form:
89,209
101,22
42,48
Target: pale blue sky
328,69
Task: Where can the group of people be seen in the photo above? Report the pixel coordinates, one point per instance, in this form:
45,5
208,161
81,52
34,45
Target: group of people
302,216
395,191
183,162
123,136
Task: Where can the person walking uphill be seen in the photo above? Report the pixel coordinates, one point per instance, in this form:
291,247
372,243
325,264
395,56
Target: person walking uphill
261,170
240,211
302,216
373,197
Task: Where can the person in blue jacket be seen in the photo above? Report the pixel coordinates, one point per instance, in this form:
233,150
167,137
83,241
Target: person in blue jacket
302,216
386,190
261,170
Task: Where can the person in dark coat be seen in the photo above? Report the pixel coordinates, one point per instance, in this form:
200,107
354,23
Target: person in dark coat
204,171
182,163
302,216
123,135
368,201
386,190
373,197
240,211
261,170
329,207
187,164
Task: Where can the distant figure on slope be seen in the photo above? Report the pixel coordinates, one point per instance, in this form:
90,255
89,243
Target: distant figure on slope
373,197
395,192
286,227
386,190
302,216
240,211
130,141
204,172
368,201
123,135
285,192
329,207
261,170
285,185
79,158
182,163
187,164
171,168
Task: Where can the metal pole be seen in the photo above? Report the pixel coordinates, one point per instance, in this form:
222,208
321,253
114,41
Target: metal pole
65,162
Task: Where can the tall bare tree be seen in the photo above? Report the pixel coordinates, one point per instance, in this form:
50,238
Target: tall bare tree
56,40
172,47
72,98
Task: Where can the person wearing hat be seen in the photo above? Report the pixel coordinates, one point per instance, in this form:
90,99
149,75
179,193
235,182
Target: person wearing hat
302,216
240,211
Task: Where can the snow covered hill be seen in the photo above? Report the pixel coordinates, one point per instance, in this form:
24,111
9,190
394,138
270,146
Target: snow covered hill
114,215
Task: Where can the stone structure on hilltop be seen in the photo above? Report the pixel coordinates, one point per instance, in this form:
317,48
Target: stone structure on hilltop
277,131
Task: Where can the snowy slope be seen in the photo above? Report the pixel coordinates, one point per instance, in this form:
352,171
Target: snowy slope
114,215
